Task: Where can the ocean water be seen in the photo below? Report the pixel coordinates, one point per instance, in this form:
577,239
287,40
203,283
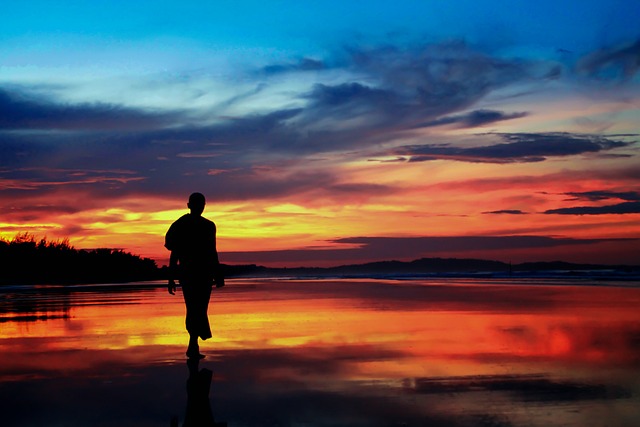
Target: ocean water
332,352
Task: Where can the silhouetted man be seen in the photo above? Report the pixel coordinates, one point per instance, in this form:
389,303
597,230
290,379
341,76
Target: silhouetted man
194,260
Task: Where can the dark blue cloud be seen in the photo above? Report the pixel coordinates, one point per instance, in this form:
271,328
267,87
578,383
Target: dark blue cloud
604,195
507,211
520,147
474,118
19,111
617,209
405,88
630,204
304,64
350,93
622,62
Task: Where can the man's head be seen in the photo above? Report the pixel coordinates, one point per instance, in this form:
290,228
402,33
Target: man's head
196,203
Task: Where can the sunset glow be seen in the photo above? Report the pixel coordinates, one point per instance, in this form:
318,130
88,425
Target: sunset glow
439,333
535,352
439,325
477,129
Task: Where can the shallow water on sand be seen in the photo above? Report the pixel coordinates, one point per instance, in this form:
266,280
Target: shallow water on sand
343,352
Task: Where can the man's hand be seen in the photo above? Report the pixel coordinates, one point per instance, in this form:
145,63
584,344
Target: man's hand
171,287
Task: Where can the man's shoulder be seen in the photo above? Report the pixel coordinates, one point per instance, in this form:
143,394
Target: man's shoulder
206,225
184,218
208,221
180,221
189,220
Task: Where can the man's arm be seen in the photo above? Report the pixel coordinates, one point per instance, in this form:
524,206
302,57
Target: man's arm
173,267
170,243
216,261
218,276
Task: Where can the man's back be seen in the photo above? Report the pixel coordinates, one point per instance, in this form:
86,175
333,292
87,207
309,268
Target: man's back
193,239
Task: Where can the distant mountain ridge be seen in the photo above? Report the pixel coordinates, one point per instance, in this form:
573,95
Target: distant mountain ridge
426,266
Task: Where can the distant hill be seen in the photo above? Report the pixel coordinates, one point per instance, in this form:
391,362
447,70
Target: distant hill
429,266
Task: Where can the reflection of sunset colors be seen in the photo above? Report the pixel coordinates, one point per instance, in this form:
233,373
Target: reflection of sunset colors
309,127
384,329
439,352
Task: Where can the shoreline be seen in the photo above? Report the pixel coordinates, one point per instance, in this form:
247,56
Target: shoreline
524,279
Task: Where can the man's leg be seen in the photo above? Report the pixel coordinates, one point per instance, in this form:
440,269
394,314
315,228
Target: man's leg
190,299
193,350
196,298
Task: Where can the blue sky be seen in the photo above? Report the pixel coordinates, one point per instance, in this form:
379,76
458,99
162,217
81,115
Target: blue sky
301,28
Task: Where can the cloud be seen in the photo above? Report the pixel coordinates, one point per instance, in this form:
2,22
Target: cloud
459,243
359,98
622,176
617,209
18,110
165,162
507,211
351,99
474,119
355,188
630,204
519,148
612,62
304,64
171,160
594,196
405,88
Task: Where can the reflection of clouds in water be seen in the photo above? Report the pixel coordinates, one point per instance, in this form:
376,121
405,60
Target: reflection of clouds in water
433,295
608,342
335,352
427,294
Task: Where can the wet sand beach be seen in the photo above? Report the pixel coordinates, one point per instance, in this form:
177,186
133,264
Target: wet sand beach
348,352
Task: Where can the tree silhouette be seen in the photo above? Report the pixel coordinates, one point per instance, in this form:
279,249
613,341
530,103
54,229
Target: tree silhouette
28,260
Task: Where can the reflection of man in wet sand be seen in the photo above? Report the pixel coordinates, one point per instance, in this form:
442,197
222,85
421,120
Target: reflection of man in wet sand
198,411
194,260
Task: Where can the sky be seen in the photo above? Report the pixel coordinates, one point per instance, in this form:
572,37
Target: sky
326,133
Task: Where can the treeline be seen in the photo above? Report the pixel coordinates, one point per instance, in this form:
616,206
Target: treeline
28,260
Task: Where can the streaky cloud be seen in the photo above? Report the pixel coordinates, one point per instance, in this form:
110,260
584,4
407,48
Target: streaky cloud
405,88
621,61
604,195
304,64
367,188
519,148
19,111
507,211
474,118
617,209
429,244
